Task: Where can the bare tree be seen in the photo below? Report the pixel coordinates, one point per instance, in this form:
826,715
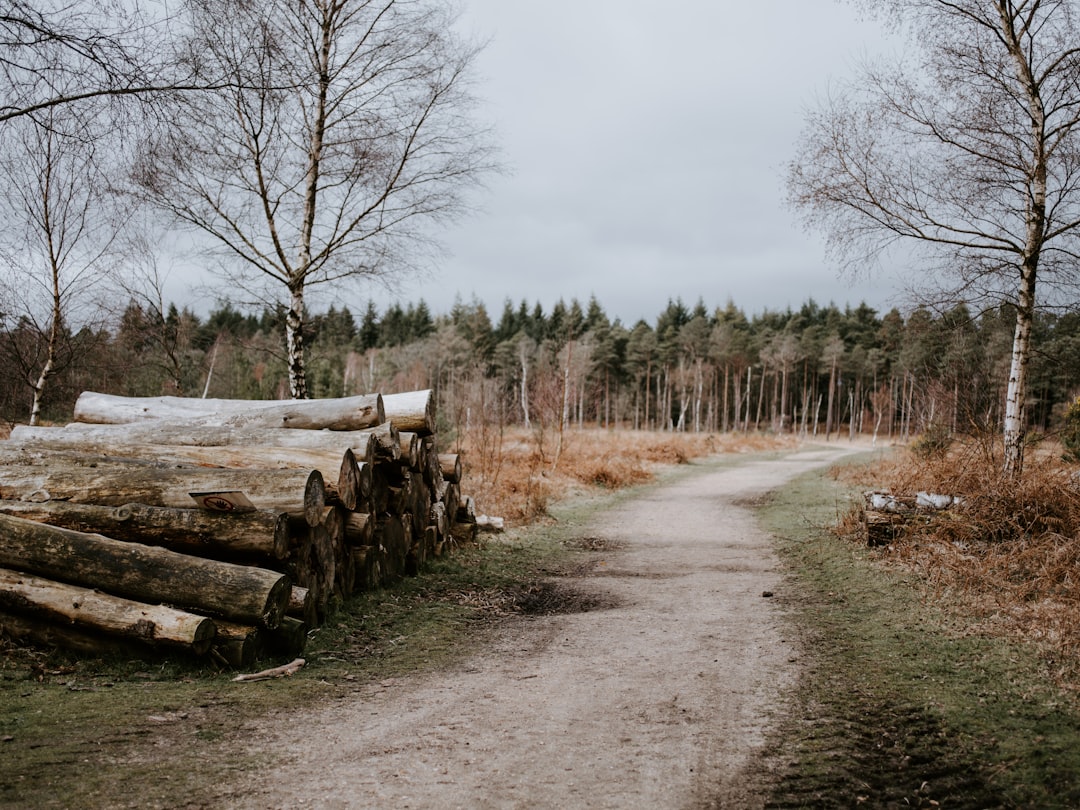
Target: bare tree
971,153
59,237
93,53
344,136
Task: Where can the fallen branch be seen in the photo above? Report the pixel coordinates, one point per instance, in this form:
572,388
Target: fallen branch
286,671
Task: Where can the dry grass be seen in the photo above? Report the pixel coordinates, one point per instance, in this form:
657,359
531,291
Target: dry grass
1008,554
521,479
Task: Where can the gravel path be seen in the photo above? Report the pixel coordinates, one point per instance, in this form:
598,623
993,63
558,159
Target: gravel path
659,698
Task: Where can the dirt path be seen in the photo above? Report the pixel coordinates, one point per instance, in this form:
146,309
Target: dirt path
657,699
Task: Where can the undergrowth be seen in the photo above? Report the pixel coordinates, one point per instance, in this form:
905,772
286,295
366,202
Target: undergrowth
902,703
1007,553
525,477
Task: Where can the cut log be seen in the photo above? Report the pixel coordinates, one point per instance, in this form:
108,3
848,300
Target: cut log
412,411
882,528
91,610
237,645
191,531
359,528
107,439
353,481
410,449
488,523
466,512
302,606
450,467
346,413
40,633
437,518
299,492
239,593
288,640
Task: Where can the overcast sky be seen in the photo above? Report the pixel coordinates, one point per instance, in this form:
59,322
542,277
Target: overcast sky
646,144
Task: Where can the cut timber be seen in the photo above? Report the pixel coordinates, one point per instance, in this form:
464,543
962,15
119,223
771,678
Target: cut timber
359,527
31,630
118,453
236,644
353,481
239,593
412,411
98,612
108,439
300,492
191,531
882,528
288,640
345,413
410,449
487,523
302,606
450,466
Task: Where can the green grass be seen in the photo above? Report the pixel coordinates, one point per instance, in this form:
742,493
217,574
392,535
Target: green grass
901,704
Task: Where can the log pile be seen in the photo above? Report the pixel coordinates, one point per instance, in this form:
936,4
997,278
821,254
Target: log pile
885,515
218,526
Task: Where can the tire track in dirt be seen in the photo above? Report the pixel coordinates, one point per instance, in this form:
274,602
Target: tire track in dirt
660,700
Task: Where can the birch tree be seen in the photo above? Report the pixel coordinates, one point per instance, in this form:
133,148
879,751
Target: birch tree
970,152
57,243
344,134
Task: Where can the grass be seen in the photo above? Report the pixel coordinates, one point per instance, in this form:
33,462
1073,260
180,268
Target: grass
903,703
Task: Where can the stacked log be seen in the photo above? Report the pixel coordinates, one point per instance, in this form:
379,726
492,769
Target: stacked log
225,526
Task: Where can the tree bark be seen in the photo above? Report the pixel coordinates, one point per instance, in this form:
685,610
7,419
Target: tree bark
88,609
450,466
346,413
190,531
330,463
412,411
297,492
108,439
238,593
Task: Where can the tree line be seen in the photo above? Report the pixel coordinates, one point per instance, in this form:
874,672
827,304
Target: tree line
820,371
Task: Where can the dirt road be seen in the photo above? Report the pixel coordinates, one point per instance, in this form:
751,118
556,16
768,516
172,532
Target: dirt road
659,697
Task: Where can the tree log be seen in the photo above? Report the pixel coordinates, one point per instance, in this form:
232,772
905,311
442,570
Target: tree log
238,593
288,640
41,633
190,531
299,492
412,411
359,528
88,609
237,645
346,413
410,449
450,467
109,439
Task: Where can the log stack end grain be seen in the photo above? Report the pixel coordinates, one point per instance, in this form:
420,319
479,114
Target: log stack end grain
106,504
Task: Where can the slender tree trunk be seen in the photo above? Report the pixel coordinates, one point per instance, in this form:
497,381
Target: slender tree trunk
294,342
1015,410
830,406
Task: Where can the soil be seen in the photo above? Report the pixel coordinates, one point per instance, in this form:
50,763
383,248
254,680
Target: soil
650,678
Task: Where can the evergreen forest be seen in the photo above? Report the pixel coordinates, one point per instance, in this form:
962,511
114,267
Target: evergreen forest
819,370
